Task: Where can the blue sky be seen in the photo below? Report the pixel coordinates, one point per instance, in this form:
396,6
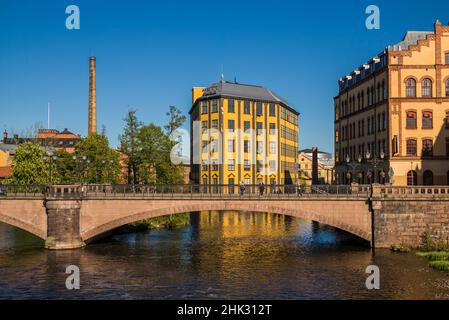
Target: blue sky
150,55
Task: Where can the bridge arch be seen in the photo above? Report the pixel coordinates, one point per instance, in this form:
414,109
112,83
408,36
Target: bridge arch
28,215
356,223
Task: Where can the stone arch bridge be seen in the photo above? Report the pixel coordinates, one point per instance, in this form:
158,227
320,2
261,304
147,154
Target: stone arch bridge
68,217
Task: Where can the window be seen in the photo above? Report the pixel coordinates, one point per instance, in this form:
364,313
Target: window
272,147
411,120
204,125
259,128
215,124
427,178
411,147
412,178
272,165
246,146
427,120
272,110
259,108
259,147
410,86
214,106
427,148
231,125
204,145
259,165
272,128
246,107
246,125
427,88
231,105
246,165
230,145
214,165
447,88
231,165
204,166
446,57
447,120
204,107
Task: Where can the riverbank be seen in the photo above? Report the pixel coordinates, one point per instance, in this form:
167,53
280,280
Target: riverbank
164,222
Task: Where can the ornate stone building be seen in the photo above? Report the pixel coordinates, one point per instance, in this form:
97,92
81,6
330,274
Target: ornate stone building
392,114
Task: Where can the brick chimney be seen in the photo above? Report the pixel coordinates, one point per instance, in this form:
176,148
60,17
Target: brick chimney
92,124
315,166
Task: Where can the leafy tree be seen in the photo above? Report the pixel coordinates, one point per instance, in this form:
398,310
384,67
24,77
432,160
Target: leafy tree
102,163
29,166
175,120
129,144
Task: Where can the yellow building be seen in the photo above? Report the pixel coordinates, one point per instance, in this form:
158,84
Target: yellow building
242,133
392,114
325,167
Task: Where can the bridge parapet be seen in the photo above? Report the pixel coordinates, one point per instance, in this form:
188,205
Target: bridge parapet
64,191
411,192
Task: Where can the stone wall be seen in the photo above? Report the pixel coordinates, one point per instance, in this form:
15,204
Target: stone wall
404,221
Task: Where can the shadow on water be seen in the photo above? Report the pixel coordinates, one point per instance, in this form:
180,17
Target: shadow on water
226,255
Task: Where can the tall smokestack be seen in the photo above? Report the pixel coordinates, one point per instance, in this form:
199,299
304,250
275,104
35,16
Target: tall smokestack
92,125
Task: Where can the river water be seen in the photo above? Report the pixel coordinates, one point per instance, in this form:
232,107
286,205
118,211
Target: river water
220,255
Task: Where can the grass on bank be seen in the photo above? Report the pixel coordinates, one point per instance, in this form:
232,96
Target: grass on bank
401,248
167,222
440,265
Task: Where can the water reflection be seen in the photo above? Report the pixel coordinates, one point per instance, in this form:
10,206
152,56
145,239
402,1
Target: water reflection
219,255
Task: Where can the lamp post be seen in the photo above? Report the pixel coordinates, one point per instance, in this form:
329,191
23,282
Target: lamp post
82,163
108,167
353,165
50,158
375,161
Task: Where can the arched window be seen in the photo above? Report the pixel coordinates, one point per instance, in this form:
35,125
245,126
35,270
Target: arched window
411,120
373,95
410,88
412,178
427,87
428,178
368,97
411,148
427,120
384,90
427,148
447,88
447,120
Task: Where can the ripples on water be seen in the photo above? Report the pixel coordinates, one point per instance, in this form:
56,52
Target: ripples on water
225,255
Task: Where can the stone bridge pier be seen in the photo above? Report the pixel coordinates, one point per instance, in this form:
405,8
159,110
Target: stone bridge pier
63,224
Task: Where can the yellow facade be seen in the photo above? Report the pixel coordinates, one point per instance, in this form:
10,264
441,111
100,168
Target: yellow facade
250,139
408,115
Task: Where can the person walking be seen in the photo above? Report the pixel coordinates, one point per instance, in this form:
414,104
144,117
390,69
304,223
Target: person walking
242,188
298,187
273,187
261,188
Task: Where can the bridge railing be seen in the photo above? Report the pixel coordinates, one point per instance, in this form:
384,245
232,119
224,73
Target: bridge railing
183,190
224,190
411,191
23,191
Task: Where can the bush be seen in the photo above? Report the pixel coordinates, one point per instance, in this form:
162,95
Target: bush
428,244
439,265
401,248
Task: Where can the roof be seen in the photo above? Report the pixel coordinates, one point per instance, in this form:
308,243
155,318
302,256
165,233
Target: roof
410,38
243,91
5,172
10,148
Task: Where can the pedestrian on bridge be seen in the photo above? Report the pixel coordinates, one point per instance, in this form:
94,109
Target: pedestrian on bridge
242,188
261,188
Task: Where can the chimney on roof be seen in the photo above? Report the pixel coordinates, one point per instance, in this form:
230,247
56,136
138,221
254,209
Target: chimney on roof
5,136
92,122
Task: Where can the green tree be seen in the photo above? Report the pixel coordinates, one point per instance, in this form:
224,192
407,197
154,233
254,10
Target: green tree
101,164
175,120
29,166
129,144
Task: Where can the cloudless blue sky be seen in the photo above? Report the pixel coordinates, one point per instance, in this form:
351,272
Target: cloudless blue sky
151,53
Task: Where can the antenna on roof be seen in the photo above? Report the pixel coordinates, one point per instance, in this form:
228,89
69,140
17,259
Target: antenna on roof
222,74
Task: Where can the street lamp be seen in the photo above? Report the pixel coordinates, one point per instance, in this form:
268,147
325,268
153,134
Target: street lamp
50,158
375,162
82,164
353,165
